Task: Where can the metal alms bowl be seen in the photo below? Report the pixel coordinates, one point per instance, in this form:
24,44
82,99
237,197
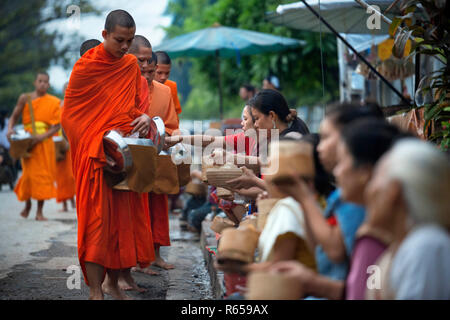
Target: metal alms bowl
117,150
157,133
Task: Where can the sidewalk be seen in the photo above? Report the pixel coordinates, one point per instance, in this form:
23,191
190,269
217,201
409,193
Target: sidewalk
36,259
208,238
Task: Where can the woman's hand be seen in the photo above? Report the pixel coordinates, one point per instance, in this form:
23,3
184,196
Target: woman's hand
245,181
297,188
294,270
263,195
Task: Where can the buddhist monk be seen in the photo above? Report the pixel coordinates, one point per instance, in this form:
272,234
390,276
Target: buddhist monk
65,181
103,95
88,44
38,175
162,74
161,104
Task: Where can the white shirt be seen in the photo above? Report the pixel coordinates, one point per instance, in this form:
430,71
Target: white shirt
3,139
286,216
421,266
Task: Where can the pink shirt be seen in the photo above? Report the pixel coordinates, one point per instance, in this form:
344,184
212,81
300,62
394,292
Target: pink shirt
365,253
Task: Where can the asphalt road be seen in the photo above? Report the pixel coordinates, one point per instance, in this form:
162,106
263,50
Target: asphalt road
38,260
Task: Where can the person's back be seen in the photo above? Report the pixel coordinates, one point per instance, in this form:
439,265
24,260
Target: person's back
420,268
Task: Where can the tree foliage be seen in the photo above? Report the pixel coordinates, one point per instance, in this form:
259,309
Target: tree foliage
299,70
26,46
431,38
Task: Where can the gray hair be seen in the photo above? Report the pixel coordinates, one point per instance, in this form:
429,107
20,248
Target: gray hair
424,173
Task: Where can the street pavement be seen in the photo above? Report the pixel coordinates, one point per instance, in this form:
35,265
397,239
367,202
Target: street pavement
38,259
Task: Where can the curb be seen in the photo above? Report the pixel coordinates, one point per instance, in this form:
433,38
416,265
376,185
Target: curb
208,238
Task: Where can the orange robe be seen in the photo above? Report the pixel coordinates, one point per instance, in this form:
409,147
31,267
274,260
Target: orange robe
102,95
173,88
65,181
161,104
38,171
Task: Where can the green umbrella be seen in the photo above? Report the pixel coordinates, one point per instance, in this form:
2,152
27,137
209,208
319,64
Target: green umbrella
225,42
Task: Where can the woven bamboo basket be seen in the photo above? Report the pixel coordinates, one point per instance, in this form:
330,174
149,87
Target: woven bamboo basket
287,158
238,244
196,189
219,224
272,286
219,176
225,194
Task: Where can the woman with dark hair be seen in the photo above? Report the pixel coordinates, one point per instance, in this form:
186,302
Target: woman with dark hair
323,181
271,114
334,227
361,145
271,111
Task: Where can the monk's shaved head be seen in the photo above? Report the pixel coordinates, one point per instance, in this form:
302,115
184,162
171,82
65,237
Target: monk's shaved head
88,44
139,41
163,57
120,18
41,72
154,59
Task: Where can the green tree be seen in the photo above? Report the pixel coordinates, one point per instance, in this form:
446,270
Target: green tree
299,70
26,46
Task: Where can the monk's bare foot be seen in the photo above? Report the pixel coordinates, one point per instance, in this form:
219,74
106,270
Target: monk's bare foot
64,209
160,263
145,270
127,284
40,217
115,292
96,295
25,213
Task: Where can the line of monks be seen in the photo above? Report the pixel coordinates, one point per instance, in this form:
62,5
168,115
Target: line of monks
118,84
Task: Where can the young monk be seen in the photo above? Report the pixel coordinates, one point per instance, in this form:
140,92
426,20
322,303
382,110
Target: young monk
65,181
161,104
142,50
125,280
88,44
102,95
38,176
162,76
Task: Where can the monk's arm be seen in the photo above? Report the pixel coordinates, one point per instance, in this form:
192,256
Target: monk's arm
50,132
16,114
